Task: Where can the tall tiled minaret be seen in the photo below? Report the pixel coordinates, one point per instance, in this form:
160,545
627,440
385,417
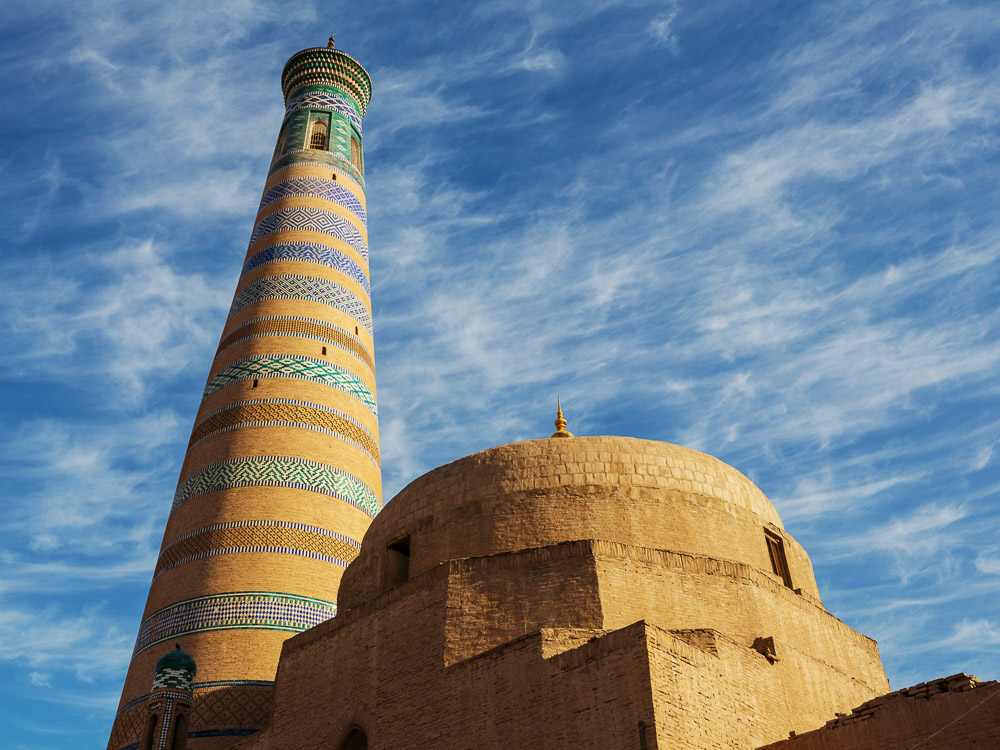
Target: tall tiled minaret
281,477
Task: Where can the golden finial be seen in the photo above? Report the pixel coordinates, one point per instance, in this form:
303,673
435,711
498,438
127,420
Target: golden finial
560,423
330,43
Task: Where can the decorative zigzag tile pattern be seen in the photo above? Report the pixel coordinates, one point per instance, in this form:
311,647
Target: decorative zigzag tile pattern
323,100
282,412
235,708
315,187
307,288
300,157
301,368
231,708
244,610
279,471
308,219
281,325
257,536
304,252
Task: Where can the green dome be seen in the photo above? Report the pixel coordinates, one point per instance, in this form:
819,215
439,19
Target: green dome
175,669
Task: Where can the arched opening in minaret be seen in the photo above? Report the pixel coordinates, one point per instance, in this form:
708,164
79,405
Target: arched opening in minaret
318,134
180,732
152,721
356,740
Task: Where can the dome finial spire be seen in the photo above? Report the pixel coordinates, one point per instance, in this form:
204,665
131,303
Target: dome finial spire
330,42
561,431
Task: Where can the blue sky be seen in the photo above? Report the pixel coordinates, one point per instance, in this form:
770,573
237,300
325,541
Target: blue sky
765,230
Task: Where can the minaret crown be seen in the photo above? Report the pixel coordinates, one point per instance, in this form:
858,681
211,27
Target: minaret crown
319,66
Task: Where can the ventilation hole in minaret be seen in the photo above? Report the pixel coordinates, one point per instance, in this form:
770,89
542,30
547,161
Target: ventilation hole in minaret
324,351
355,330
255,381
333,176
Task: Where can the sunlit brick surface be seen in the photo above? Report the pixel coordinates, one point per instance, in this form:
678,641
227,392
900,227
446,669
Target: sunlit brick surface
282,475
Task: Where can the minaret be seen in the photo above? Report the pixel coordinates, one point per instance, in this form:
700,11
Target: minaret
281,477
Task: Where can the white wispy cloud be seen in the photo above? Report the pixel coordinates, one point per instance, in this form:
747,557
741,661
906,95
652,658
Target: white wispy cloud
89,645
661,29
148,317
782,251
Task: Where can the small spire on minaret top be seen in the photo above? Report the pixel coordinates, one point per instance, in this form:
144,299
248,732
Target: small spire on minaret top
560,422
330,43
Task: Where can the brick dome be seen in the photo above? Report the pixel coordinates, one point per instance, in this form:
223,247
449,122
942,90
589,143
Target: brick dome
542,492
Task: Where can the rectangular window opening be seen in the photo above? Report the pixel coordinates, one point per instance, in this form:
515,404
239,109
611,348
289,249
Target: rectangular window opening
397,563
355,153
255,382
776,551
324,351
319,131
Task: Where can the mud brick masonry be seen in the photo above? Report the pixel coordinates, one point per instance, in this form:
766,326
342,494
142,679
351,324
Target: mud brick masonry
569,592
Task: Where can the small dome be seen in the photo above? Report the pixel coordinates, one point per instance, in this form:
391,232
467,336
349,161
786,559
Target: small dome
175,669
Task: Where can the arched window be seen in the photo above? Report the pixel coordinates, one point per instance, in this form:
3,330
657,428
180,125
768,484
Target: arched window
148,740
356,740
318,132
180,732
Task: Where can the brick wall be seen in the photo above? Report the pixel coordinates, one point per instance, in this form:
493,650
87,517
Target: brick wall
952,713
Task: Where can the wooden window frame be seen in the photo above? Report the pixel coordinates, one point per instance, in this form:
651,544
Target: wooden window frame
779,561
318,118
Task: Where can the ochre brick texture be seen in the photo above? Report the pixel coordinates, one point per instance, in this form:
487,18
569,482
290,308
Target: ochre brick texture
290,328
324,173
585,592
543,492
952,713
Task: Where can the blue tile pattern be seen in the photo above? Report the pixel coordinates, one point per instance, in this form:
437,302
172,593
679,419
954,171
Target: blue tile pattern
300,157
165,719
278,471
238,610
307,288
301,327
304,218
305,252
324,100
287,412
255,548
315,187
262,366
